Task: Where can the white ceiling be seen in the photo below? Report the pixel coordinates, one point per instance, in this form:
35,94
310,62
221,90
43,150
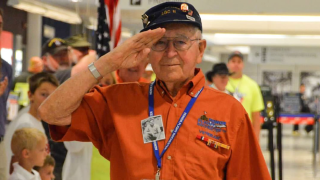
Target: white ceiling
131,15
131,20
88,7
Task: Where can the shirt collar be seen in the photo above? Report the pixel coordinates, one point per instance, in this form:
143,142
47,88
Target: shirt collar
24,172
191,88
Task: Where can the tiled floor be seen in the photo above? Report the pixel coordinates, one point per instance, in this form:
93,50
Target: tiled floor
297,155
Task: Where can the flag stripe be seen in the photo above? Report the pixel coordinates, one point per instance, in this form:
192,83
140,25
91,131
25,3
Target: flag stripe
108,33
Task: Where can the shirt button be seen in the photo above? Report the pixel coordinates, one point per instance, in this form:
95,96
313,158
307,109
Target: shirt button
171,130
169,157
175,105
162,92
191,93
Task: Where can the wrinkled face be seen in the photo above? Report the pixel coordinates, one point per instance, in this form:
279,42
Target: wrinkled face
220,81
172,64
62,58
39,153
235,65
46,172
41,93
50,64
132,74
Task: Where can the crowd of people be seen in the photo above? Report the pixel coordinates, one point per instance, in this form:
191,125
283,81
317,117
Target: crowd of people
144,107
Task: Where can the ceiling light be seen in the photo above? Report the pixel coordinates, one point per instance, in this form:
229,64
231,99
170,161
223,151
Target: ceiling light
263,36
242,49
28,7
46,10
275,18
307,36
210,58
259,36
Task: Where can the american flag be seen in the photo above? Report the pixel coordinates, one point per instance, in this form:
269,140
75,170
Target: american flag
108,33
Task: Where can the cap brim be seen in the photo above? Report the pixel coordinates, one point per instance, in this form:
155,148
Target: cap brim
159,24
222,72
58,49
80,44
234,55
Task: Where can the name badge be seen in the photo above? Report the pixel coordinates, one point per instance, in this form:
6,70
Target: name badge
152,129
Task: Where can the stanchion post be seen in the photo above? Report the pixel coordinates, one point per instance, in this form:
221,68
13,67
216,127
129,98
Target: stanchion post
316,146
279,136
271,149
279,140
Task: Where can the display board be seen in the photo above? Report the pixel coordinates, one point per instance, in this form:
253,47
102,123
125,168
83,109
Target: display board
279,81
291,103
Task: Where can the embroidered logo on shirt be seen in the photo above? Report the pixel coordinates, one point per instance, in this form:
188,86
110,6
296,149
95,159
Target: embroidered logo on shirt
211,123
210,135
204,117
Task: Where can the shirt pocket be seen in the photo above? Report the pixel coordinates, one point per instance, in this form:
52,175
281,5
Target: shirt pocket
204,162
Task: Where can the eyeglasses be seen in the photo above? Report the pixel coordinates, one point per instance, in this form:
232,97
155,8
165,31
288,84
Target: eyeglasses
180,43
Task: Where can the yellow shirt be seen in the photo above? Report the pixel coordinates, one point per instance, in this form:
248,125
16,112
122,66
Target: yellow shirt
248,93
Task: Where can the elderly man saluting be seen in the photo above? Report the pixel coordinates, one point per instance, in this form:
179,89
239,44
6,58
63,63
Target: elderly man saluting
208,134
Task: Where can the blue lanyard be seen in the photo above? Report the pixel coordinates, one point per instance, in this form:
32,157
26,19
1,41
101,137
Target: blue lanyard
176,129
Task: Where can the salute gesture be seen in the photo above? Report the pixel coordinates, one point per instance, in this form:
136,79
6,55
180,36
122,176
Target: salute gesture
132,52
68,96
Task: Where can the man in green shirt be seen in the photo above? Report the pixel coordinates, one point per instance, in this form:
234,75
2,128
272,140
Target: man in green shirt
245,90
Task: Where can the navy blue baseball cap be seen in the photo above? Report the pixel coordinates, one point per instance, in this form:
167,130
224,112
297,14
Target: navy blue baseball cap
170,12
54,46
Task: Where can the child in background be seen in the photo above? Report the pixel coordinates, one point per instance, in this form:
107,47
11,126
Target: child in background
41,85
46,171
29,147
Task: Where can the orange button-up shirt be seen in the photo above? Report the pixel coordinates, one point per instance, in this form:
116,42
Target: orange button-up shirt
111,117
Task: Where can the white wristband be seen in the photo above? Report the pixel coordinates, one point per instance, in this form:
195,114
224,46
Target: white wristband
94,71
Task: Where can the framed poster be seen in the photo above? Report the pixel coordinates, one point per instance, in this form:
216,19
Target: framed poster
311,80
279,81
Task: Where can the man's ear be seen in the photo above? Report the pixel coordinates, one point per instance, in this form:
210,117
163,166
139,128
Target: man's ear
202,48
